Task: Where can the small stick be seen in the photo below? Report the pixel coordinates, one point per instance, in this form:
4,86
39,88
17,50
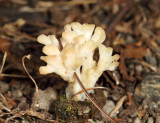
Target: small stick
87,94
3,61
146,65
13,75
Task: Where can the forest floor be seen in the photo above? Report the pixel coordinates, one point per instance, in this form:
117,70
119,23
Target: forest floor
132,91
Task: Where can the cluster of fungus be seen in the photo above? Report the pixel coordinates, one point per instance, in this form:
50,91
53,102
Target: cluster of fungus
79,43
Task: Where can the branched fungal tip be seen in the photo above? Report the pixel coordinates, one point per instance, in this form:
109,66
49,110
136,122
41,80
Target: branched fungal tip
79,42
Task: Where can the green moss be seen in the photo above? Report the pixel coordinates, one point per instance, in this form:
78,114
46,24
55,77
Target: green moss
65,110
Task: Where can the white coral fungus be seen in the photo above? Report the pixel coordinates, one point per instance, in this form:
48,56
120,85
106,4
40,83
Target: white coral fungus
79,43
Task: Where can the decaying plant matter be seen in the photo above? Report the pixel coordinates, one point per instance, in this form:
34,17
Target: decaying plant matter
79,43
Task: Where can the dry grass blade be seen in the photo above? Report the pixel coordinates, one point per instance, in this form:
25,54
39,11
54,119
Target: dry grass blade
13,75
37,94
87,94
146,65
4,107
4,99
118,105
3,62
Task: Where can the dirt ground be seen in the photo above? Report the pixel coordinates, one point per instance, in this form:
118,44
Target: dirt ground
131,93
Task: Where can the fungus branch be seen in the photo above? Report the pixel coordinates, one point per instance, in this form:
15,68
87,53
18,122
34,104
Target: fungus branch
71,57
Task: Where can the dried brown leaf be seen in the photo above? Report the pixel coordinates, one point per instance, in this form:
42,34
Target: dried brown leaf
133,51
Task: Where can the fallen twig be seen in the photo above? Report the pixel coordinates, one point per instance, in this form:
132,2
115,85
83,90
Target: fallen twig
13,75
146,65
3,62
